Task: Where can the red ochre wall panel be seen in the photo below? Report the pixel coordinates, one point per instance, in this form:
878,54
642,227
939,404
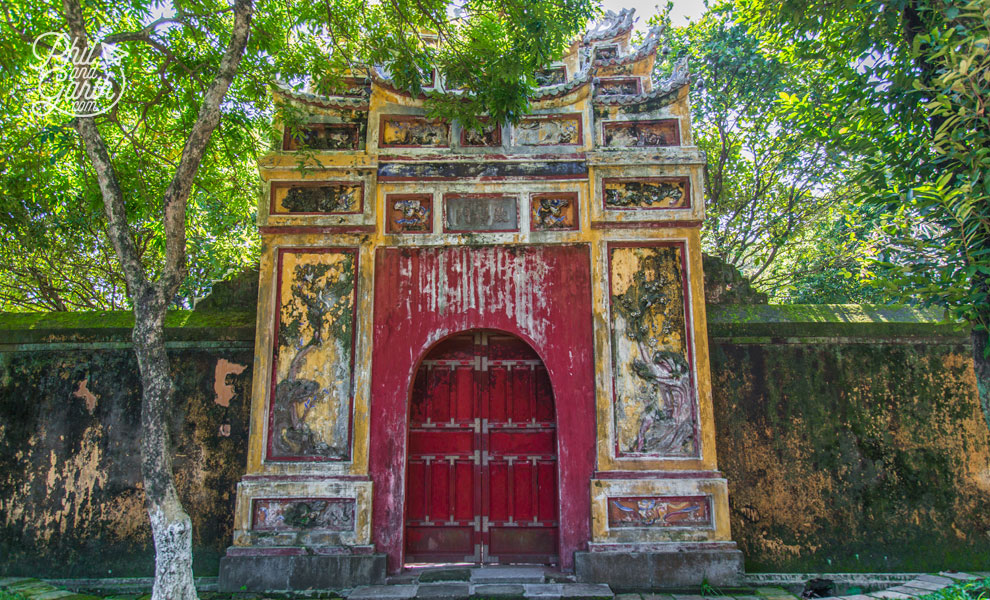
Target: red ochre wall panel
542,294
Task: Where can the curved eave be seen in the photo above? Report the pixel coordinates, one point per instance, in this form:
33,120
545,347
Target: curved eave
381,80
345,102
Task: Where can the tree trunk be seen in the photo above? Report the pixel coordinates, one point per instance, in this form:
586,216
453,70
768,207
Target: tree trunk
171,527
981,365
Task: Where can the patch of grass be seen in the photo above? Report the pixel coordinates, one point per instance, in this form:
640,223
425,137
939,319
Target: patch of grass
978,589
709,590
5,595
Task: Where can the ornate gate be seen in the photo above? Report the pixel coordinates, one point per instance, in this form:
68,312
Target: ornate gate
481,484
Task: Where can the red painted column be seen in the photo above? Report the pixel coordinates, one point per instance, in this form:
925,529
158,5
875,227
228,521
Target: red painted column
541,294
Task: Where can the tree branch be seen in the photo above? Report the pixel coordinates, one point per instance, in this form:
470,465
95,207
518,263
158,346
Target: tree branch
96,150
179,188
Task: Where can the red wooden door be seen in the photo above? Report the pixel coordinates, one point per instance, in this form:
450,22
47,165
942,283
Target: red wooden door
481,484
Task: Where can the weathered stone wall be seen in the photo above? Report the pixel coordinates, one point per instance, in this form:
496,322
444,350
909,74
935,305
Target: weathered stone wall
851,439
70,480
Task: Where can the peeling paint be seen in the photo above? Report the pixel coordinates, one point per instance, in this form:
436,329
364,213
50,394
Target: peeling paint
89,397
224,390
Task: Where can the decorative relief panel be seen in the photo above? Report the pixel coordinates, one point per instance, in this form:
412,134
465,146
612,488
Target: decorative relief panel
606,52
549,130
310,401
554,211
655,408
409,213
480,213
323,136
646,192
551,76
618,86
663,511
490,135
409,131
632,134
316,197
291,514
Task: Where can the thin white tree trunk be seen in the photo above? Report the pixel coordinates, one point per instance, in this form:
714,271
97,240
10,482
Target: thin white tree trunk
172,532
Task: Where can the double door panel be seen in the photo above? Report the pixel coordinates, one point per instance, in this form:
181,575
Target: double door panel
482,473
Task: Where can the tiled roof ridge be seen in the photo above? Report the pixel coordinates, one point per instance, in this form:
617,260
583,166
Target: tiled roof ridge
561,89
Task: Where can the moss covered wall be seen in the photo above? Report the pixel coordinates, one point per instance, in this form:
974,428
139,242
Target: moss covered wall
851,438
70,479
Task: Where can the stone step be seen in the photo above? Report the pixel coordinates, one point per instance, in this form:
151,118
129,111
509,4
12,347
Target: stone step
920,584
957,576
465,591
507,575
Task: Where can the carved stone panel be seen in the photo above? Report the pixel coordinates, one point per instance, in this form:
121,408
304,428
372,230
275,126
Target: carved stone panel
490,135
551,76
606,52
554,211
316,198
323,136
641,134
549,130
409,213
480,213
660,511
618,86
655,408
302,514
312,363
646,192
410,131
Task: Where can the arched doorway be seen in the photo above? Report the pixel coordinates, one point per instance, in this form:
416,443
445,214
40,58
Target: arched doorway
481,482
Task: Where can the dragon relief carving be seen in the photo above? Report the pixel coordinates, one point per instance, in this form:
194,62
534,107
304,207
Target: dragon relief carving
645,194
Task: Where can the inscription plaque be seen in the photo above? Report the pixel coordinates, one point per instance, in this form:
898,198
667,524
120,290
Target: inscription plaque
480,213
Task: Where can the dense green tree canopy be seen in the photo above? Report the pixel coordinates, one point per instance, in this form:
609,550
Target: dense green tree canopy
777,198
908,84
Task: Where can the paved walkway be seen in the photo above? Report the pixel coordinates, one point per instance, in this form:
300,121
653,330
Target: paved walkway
920,586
